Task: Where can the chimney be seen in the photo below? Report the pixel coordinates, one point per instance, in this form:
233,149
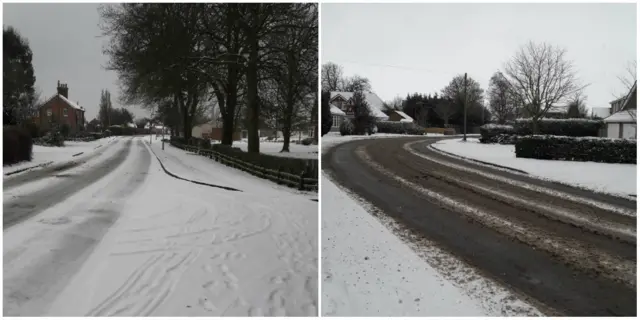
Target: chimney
63,89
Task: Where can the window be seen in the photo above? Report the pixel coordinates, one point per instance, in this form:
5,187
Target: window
336,121
49,112
64,112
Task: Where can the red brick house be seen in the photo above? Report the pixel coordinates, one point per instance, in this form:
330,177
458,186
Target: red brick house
60,110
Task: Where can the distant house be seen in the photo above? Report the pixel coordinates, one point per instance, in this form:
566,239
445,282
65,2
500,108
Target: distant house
622,122
212,130
399,116
337,116
60,110
341,107
557,111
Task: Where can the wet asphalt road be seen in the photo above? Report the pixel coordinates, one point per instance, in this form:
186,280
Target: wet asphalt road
569,266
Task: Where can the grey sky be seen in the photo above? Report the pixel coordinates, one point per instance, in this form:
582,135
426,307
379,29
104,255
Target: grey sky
431,43
66,46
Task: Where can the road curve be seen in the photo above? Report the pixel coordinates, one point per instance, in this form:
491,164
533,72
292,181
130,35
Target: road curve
26,206
535,237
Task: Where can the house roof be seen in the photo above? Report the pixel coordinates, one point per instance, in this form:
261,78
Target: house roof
626,96
624,116
336,111
558,108
374,102
405,117
67,101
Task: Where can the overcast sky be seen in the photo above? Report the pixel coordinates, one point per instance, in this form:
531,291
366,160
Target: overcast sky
406,48
67,46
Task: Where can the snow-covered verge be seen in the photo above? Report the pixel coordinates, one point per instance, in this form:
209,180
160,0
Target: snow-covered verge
273,149
44,154
175,249
367,270
613,178
191,166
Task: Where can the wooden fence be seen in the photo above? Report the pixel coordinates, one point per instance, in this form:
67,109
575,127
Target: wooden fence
280,177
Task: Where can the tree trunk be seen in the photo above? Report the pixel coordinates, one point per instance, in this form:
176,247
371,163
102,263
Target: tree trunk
534,126
253,144
286,126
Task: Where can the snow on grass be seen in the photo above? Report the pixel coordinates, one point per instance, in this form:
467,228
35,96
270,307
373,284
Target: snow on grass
273,149
45,154
195,167
619,179
176,249
369,271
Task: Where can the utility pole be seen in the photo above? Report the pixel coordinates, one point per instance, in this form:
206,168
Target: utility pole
464,129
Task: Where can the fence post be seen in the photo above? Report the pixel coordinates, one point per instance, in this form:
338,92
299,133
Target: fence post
302,180
278,175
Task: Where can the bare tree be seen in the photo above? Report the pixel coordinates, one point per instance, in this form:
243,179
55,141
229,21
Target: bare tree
539,76
628,80
356,83
395,103
629,77
332,77
501,100
577,108
445,110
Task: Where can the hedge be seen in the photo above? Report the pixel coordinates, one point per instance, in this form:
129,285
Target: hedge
400,127
489,133
560,127
290,165
576,149
17,145
443,131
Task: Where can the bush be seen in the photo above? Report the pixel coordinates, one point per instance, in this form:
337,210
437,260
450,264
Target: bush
307,141
347,128
290,165
33,129
400,128
65,129
490,132
576,149
52,138
17,145
560,127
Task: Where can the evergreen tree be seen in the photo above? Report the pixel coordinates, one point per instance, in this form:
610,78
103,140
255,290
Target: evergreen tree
18,78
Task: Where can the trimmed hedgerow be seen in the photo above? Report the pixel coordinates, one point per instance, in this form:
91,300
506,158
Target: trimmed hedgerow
290,165
576,149
400,128
17,145
560,127
493,133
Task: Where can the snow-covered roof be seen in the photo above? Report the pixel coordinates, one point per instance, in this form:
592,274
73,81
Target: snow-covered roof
69,102
625,116
405,117
374,102
336,111
558,108
131,125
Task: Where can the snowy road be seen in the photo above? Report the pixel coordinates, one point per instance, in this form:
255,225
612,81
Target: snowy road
117,236
571,251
